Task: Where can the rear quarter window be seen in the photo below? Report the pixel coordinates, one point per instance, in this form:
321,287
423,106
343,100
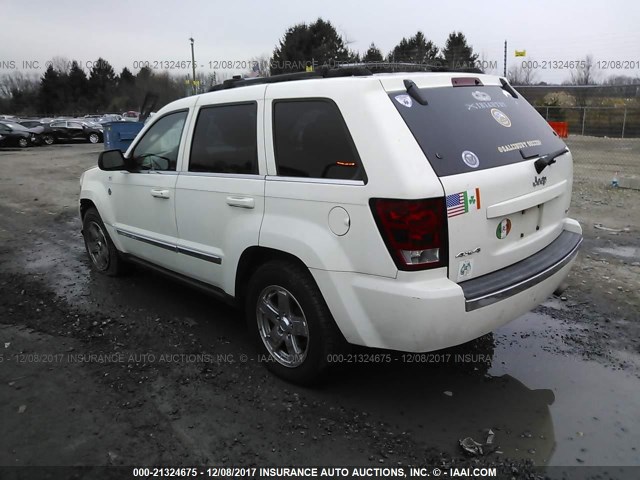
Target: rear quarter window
312,140
462,129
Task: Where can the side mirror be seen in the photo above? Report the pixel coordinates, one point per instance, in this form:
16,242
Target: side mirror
111,160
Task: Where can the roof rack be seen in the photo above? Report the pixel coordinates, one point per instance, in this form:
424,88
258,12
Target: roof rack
322,72
344,70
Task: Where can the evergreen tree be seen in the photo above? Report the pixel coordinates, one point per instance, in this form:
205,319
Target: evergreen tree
126,78
78,88
51,92
373,54
102,83
457,54
318,42
416,49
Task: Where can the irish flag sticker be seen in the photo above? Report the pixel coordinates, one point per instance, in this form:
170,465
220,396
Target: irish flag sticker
504,227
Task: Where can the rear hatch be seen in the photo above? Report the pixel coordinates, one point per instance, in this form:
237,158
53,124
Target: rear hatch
482,140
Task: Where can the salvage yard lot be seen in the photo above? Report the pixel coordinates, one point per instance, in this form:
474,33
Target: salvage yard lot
95,370
599,159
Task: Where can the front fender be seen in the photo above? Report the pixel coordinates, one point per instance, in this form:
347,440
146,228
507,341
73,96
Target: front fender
94,188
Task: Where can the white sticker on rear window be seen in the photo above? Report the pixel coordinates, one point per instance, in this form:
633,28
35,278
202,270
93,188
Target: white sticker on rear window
500,117
404,100
470,159
519,146
481,96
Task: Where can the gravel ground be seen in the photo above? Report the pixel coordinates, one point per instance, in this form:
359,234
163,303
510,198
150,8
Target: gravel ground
143,371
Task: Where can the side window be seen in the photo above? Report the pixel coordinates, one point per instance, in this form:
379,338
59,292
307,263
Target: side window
225,140
75,125
158,149
57,124
312,140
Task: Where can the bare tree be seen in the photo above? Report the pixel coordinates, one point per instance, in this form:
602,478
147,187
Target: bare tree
622,80
518,75
586,73
61,64
259,66
17,81
486,65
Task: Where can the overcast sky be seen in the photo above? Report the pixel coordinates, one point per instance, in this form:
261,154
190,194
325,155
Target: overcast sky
124,32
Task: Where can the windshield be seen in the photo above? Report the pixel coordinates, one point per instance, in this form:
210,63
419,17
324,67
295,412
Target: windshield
15,126
462,129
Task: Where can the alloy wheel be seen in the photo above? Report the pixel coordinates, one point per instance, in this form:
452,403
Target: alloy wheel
97,246
282,326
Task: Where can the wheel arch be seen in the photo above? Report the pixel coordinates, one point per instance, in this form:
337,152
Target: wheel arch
251,259
86,204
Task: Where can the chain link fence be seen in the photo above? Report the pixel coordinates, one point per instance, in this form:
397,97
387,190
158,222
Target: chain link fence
603,126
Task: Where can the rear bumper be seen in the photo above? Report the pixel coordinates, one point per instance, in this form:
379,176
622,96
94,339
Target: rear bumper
425,311
487,289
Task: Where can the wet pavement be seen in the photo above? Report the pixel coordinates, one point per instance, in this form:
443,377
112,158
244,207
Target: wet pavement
550,385
544,402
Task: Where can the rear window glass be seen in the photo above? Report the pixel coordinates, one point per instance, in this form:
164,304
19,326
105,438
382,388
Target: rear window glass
463,129
312,140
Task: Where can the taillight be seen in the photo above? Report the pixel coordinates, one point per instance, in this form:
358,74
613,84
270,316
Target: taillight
415,231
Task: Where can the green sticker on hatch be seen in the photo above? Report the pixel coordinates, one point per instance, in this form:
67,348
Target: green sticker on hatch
503,229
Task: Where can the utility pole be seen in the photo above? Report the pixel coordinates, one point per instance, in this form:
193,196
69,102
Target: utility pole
505,59
193,64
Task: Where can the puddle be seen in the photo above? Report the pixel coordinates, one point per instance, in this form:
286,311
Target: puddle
595,412
542,402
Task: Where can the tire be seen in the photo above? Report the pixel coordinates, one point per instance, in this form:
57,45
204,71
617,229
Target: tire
48,139
102,253
306,337
23,143
94,138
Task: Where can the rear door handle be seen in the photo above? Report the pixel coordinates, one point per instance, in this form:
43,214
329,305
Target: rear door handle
242,202
156,192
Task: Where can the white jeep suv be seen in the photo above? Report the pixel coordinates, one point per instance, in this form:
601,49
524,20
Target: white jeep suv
408,211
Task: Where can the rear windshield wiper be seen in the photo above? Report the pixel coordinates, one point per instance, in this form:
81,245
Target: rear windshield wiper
507,87
414,92
548,159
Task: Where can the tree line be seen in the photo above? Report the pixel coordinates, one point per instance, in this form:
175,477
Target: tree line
66,89
321,43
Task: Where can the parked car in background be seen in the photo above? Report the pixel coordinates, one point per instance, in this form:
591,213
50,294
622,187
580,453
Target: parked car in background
14,134
75,130
31,123
130,116
40,129
110,117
